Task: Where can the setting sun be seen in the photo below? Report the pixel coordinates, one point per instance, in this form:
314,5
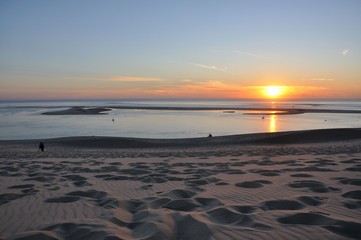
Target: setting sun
274,91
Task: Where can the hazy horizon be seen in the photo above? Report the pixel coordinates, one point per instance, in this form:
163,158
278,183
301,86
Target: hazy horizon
185,99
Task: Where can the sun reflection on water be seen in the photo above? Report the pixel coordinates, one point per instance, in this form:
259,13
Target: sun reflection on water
273,123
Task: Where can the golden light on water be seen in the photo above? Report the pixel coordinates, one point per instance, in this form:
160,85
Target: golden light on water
272,123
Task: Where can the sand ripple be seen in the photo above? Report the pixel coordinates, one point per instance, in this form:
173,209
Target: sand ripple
240,192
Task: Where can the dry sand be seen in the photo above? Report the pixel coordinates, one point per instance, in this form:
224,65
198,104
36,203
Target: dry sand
236,187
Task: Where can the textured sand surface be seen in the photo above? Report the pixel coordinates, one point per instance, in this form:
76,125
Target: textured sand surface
235,187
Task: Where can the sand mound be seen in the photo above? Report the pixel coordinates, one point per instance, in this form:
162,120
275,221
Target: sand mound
292,137
307,219
224,191
343,228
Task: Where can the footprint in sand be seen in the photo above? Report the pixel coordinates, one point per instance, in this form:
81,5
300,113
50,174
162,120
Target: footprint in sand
43,235
353,160
339,227
267,173
252,184
180,193
352,204
97,196
312,201
21,186
301,175
350,181
353,194
313,186
282,205
184,205
227,216
8,197
79,231
92,193
63,199
356,168
78,180
244,209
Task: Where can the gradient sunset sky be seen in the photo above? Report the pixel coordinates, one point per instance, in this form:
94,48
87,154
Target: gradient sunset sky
179,49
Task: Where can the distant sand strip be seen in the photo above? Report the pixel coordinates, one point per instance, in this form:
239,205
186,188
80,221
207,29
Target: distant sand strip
80,111
277,111
290,137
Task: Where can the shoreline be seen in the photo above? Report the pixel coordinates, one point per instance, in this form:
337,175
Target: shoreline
81,110
277,138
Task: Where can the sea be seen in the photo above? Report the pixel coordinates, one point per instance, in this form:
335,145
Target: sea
24,119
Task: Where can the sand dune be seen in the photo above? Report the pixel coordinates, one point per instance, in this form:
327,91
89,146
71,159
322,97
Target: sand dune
291,137
232,187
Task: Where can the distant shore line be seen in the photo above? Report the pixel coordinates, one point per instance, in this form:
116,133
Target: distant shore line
277,138
81,110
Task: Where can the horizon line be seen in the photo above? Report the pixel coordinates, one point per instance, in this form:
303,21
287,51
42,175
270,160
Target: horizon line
183,99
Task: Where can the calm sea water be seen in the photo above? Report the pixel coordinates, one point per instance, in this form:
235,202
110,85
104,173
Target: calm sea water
23,119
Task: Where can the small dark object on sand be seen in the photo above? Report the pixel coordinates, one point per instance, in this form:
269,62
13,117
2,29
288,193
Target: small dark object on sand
41,146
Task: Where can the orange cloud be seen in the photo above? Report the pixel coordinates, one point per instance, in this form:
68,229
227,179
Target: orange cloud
158,88
117,78
131,79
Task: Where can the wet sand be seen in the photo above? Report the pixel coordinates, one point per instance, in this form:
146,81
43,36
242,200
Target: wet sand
291,185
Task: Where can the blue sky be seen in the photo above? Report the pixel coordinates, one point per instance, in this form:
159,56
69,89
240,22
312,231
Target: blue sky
85,49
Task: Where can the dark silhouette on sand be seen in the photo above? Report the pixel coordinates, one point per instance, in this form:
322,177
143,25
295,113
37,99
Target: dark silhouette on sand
41,146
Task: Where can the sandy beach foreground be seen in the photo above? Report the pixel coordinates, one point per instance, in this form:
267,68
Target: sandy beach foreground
292,185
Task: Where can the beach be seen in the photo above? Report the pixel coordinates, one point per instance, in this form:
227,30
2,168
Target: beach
180,120
288,185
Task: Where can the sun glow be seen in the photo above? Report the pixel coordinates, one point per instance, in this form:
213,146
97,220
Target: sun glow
274,91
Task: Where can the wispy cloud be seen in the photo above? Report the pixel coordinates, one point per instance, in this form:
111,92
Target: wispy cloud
196,88
212,67
345,52
130,79
186,80
322,79
250,54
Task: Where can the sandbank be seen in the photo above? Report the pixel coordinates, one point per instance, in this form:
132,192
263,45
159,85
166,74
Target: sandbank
80,111
274,111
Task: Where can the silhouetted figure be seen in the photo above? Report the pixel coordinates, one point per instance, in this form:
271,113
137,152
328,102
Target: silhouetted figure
210,135
41,146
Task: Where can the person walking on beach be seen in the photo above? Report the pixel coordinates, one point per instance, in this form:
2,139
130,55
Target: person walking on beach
41,146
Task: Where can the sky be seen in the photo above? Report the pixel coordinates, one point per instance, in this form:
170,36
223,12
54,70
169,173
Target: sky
179,49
